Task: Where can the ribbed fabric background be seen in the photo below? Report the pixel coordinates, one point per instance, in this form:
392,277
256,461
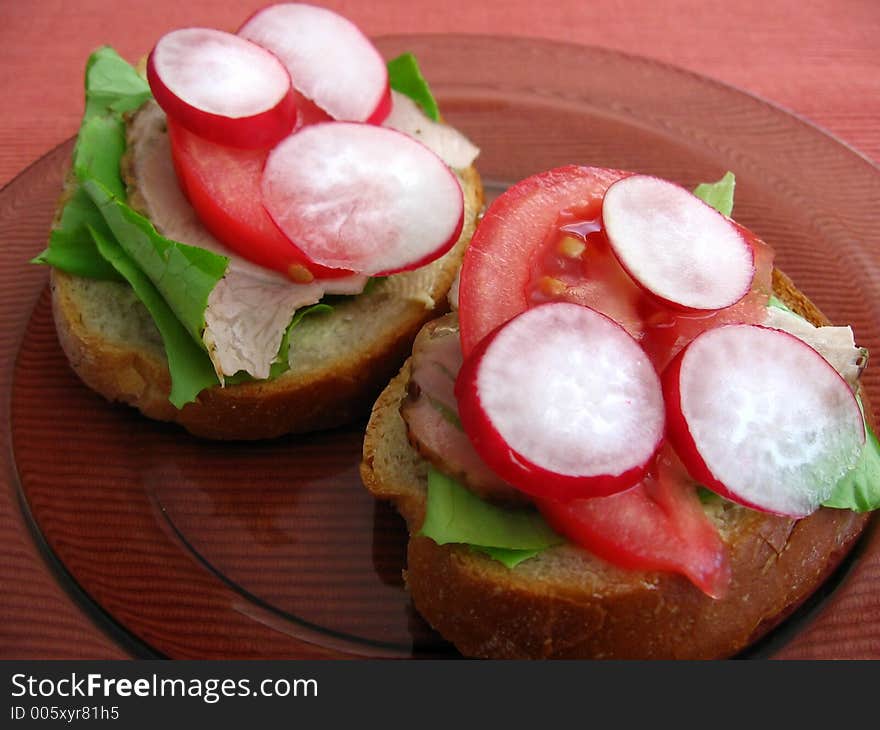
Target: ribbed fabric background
818,58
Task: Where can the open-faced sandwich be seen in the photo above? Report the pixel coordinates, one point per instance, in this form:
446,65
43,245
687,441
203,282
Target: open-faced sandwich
251,236
633,439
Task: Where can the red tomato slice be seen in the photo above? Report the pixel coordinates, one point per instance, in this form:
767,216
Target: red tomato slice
657,525
223,185
496,271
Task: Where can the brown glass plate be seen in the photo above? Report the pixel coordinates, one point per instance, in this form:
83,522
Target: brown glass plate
124,536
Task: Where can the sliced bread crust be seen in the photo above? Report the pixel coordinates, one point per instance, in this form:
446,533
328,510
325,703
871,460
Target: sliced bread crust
340,360
566,603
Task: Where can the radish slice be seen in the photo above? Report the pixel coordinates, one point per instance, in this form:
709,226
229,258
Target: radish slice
364,198
222,87
223,186
675,246
562,403
330,61
761,418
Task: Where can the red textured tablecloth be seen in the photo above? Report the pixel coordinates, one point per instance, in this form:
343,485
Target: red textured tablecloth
818,58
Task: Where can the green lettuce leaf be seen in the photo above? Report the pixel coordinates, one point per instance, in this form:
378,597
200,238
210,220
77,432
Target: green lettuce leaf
405,76
706,495
454,515
112,87
718,194
112,84
775,301
859,489
282,361
99,149
99,236
183,275
71,247
510,558
190,367
372,283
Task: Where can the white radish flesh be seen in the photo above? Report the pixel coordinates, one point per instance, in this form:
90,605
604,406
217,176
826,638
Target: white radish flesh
562,403
363,198
762,418
330,61
675,246
222,87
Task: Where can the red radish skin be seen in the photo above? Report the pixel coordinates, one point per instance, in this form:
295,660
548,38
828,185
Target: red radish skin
784,389
362,197
593,435
381,112
659,524
222,87
678,248
668,331
223,186
329,59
